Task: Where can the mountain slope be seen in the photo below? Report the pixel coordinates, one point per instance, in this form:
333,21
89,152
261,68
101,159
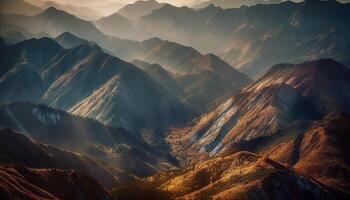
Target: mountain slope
22,82
239,176
139,8
181,59
286,94
156,111
320,152
36,52
206,80
40,156
34,184
70,82
75,88
115,147
201,91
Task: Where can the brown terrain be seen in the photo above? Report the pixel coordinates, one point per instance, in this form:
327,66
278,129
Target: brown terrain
284,116
43,184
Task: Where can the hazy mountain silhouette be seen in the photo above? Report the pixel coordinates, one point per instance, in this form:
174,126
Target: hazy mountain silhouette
18,7
139,8
115,24
254,38
68,40
81,12
233,3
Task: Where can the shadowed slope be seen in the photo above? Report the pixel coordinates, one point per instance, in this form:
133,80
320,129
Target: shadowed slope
24,183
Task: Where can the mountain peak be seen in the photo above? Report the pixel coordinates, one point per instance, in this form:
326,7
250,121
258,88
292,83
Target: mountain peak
54,12
67,34
325,78
321,65
69,40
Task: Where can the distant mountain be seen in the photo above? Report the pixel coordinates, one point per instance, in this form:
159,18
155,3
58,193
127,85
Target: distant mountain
66,79
239,176
114,24
200,90
185,60
13,37
205,80
18,7
234,3
108,8
41,156
55,22
34,184
218,78
81,12
162,76
139,8
252,38
286,94
116,148
68,40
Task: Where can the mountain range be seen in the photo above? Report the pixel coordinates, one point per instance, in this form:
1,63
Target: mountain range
40,156
64,80
111,146
233,3
293,114
221,100
148,50
253,38
18,7
81,12
139,8
284,95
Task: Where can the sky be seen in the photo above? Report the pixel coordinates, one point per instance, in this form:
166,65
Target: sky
174,2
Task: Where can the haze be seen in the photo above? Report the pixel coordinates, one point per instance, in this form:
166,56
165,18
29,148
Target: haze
81,2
